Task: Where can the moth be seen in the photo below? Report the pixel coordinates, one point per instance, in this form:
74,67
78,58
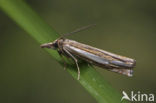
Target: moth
98,57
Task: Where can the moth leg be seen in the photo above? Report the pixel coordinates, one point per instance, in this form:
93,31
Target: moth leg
60,53
75,62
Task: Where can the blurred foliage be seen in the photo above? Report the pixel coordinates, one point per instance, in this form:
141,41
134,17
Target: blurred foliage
123,27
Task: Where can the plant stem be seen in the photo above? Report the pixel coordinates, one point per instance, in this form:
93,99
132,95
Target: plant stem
90,79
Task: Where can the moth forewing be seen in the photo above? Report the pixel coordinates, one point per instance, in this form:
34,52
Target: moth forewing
101,58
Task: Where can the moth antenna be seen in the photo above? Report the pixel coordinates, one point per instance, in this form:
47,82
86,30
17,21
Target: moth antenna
78,30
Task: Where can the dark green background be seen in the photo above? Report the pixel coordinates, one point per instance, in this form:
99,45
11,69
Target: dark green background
28,74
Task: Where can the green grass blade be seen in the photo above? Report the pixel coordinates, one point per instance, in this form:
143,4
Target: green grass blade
90,79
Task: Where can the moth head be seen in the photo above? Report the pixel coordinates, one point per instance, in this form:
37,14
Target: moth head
53,45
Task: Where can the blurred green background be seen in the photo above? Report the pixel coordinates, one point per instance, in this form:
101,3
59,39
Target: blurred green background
28,74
